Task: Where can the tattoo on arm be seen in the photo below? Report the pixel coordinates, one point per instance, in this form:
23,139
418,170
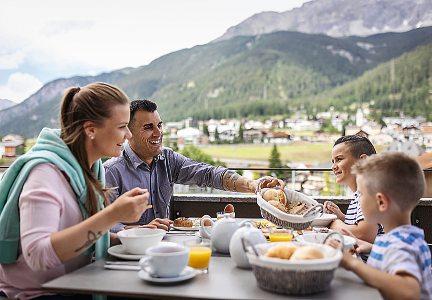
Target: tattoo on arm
91,239
229,180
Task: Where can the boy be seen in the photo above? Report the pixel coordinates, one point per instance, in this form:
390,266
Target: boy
346,151
399,265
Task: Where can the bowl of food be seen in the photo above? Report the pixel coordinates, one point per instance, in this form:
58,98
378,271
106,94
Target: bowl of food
293,268
287,208
138,240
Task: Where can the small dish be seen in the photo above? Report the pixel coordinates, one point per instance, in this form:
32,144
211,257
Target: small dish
193,228
324,220
119,251
187,273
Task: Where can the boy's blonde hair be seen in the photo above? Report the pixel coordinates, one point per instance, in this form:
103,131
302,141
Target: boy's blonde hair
395,174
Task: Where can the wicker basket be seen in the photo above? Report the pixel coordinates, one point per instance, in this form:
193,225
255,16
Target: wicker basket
294,277
290,221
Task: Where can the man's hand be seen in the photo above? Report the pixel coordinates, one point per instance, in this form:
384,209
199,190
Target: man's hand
330,207
160,223
156,223
269,182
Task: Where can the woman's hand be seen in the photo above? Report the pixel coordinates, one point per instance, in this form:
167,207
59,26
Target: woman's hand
129,207
330,207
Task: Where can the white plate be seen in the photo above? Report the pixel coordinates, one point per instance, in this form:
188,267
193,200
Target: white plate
193,228
324,220
187,273
119,251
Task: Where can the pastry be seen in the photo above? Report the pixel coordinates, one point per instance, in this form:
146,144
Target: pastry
307,252
278,205
183,222
275,195
281,251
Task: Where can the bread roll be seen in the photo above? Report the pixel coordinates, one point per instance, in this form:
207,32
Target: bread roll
270,194
281,251
307,252
275,195
278,205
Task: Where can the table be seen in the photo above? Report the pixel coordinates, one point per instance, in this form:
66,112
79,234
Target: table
224,281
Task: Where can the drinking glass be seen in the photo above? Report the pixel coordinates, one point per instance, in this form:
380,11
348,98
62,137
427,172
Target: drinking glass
280,235
199,254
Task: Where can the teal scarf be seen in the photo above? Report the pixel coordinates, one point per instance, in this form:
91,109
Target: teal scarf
49,148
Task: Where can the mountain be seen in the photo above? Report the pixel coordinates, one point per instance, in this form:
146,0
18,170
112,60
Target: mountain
340,18
401,85
243,76
4,103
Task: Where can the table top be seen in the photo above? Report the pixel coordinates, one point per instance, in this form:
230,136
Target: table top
224,281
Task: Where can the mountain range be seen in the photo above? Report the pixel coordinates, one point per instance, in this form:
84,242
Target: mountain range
340,18
243,76
4,103
267,74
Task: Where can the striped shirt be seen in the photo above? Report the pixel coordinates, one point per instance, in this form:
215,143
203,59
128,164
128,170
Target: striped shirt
354,213
404,249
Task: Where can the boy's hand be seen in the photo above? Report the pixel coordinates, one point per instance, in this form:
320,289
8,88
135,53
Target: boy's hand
330,207
348,261
361,246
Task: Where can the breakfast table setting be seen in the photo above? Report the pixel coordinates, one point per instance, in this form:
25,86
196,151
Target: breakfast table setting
284,255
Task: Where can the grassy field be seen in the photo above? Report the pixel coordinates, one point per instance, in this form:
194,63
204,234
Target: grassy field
294,152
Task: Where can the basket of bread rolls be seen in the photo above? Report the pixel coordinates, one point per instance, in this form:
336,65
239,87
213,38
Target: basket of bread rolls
293,268
287,208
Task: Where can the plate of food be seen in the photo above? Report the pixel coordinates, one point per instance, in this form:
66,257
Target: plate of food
186,224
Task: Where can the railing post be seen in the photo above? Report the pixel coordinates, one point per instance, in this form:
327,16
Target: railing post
293,175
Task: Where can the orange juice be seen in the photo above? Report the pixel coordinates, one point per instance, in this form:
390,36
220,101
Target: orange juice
280,237
199,257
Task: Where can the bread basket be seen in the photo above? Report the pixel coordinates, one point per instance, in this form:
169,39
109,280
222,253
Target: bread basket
286,220
301,277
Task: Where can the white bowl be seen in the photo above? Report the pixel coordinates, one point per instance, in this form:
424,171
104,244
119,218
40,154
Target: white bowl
319,237
138,240
324,220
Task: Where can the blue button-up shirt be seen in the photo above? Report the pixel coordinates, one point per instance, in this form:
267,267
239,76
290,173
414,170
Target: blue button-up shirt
128,171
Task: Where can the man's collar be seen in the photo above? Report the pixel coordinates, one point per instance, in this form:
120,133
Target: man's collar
134,158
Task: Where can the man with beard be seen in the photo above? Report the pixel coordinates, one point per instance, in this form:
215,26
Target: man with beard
145,163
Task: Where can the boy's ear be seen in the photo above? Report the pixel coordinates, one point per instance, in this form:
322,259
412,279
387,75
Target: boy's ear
383,202
363,156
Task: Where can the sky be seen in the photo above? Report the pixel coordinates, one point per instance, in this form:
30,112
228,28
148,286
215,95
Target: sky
48,39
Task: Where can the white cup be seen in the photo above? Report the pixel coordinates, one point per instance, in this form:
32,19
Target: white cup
165,260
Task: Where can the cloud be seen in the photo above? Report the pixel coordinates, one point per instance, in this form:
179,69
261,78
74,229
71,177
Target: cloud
11,61
19,86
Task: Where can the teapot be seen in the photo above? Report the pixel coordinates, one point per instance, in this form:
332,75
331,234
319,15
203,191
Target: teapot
253,235
221,232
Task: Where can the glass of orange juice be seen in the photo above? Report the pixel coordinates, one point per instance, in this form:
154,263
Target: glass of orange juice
199,254
281,235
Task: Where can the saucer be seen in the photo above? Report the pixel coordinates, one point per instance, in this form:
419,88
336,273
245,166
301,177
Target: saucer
119,251
187,273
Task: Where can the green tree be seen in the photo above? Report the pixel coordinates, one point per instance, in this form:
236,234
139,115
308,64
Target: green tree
240,134
205,130
217,139
174,146
275,162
